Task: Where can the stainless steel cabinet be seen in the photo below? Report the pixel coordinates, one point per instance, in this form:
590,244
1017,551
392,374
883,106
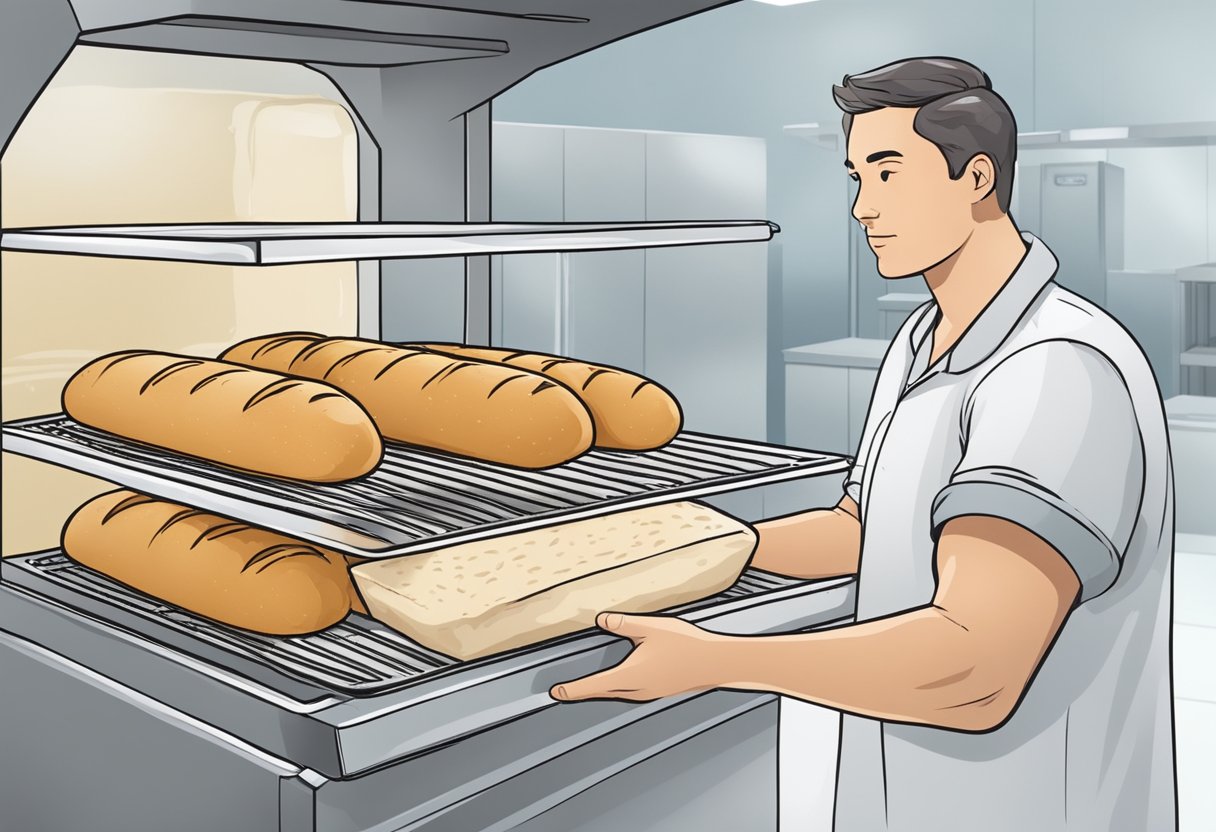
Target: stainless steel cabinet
526,166
1192,424
604,174
527,186
722,779
693,318
706,308
1077,208
895,307
1171,315
604,180
817,406
1151,305
827,392
164,769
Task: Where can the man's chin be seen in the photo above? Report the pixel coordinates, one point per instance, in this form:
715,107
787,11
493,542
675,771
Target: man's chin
895,271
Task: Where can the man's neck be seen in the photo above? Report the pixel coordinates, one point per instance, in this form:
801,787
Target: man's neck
965,282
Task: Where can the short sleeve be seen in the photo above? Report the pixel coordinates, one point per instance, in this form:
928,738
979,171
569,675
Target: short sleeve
1051,443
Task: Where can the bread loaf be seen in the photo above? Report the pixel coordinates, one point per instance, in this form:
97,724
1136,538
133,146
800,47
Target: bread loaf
473,408
630,412
484,597
248,419
218,568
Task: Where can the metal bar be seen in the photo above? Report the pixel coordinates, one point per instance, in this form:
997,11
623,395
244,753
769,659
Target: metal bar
418,500
477,209
357,656
264,245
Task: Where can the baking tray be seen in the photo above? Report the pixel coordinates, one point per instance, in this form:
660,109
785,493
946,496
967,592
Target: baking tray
417,500
357,656
261,689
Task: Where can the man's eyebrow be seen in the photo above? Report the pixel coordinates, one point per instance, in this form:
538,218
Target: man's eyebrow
883,154
848,164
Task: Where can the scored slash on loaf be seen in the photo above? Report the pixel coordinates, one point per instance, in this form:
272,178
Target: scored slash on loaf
472,408
631,413
245,418
484,597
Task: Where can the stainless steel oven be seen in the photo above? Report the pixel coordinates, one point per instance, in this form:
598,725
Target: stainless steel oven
120,712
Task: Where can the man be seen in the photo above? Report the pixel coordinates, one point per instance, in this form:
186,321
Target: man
1009,516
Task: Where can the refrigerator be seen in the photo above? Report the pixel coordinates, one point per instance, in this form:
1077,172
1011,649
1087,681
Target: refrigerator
1077,209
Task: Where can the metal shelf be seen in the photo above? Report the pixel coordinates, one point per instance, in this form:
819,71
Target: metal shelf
289,41
1202,273
902,301
283,243
378,33
1199,357
417,500
1182,134
1194,412
825,138
357,695
842,352
356,657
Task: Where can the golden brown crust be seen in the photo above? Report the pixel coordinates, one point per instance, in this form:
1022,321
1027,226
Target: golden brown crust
630,412
472,408
221,569
254,420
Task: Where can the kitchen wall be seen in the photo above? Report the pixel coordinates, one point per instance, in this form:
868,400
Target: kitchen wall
749,69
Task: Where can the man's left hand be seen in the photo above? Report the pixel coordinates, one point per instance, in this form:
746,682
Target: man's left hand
669,657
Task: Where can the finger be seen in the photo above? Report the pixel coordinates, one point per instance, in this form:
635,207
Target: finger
604,685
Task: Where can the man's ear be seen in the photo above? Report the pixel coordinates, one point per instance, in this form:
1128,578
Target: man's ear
980,173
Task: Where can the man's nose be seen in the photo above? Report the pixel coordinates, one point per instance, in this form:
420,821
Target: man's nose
865,216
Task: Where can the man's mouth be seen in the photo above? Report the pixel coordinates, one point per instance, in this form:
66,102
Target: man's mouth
879,240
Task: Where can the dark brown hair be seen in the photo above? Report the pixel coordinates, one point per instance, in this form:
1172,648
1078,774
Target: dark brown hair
956,109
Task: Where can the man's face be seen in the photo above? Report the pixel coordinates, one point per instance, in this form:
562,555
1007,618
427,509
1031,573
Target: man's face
915,215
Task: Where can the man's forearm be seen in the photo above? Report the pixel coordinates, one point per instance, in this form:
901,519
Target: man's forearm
918,667
815,544
963,662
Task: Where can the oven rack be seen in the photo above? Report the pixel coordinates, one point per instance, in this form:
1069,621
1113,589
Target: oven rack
357,656
271,244
241,684
418,500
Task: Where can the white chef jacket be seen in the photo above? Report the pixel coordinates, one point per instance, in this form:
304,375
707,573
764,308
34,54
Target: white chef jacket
1046,413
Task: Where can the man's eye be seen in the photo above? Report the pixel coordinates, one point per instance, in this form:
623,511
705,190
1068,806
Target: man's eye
854,177
885,175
